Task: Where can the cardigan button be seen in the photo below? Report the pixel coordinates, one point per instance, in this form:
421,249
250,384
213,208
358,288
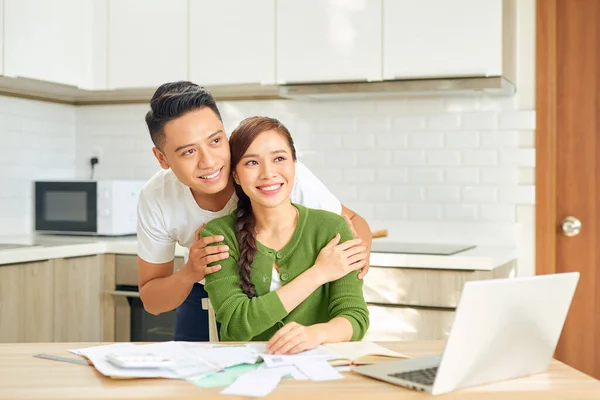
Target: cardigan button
279,255
284,277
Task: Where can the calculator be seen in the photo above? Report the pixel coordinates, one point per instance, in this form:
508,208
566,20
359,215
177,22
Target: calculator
138,360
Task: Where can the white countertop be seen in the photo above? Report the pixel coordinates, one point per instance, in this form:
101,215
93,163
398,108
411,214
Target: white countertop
55,246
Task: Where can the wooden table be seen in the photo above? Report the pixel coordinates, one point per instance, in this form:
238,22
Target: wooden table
25,377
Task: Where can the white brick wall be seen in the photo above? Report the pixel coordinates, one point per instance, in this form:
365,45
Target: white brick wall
458,160
38,142
418,160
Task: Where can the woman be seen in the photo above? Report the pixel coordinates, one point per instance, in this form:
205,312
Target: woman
285,281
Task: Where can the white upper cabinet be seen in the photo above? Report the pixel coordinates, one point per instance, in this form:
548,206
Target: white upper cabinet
442,38
94,52
232,41
147,42
43,39
333,40
1,33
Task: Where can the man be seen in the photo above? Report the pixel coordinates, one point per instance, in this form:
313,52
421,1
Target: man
194,187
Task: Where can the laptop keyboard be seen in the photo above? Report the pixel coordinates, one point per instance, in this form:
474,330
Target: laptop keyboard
422,376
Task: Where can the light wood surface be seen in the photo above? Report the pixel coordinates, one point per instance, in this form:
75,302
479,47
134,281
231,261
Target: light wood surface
424,287
418,303
59,300
567,165
108,301
25,377
78,299
26,302
407,323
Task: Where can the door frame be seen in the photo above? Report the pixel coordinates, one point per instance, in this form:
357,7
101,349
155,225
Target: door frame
546,223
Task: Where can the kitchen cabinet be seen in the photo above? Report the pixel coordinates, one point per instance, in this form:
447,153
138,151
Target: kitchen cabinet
26,302
232,42
147,42
328,40
440,38
418,303
58,300
80,298
44,40
1,37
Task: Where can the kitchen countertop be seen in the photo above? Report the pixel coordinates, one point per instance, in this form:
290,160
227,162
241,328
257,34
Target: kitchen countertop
39,247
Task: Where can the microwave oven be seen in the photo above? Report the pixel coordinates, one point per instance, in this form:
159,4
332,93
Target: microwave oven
102,207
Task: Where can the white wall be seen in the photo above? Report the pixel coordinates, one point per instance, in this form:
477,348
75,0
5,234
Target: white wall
461,162
37,142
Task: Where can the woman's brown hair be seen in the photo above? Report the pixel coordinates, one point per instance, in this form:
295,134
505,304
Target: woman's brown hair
241,138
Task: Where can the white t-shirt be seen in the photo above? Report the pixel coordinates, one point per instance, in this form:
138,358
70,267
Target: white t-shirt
168,213
275,281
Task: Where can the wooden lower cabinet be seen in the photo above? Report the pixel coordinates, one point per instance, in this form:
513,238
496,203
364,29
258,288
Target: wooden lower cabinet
389,323
80,298
418,303
26,302
59,300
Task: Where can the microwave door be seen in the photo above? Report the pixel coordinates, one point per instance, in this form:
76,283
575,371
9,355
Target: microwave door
66,207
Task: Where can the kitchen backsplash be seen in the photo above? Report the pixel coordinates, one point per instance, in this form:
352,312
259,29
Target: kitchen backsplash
38,142
462,160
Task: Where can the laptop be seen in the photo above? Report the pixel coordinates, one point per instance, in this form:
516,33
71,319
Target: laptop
502,329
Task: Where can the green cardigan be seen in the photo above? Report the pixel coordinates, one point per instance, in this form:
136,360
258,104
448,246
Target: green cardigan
244,319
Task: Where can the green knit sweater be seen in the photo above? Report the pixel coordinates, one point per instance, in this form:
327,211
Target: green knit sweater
244,319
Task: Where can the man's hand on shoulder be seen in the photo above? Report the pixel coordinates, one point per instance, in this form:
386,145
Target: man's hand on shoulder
201,255
365,231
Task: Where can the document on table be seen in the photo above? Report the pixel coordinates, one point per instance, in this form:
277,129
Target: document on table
257,383
190,360
97,356
279,360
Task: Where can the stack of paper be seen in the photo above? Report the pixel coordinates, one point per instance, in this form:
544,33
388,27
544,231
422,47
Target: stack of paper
238,366
190,360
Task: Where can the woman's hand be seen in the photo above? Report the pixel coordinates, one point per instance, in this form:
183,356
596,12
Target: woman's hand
337,260
294,338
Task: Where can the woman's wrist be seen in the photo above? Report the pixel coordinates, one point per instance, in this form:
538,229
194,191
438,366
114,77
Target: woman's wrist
316,276
321,332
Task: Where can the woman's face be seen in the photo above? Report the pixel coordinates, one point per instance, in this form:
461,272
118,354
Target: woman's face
266,170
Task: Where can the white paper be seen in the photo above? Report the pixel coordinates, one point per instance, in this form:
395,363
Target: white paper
278,360
343,368
287,370
97,356
190,360
319,371
115,346
257,383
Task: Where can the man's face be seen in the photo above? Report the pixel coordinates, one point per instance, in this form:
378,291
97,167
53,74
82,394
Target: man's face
197,151
266,170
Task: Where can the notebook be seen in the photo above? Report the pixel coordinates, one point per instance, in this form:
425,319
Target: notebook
360,353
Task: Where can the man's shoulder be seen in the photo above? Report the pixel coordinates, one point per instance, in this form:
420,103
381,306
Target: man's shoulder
163,186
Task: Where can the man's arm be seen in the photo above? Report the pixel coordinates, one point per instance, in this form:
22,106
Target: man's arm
361,229
160,289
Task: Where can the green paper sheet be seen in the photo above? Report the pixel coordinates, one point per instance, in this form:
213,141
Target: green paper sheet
225,377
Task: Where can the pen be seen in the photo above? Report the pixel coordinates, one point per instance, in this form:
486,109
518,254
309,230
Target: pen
60,358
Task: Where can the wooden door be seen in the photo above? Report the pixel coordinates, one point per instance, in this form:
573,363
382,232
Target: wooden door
568,165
